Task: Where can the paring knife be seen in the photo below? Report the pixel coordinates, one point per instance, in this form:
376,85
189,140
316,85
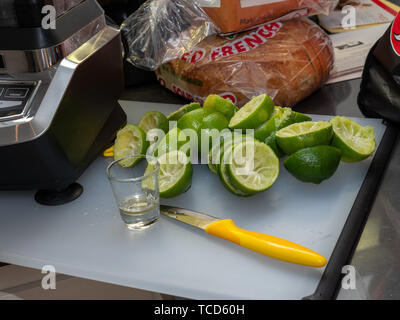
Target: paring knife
262,243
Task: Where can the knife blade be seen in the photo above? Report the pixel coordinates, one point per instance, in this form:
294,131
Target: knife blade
267,245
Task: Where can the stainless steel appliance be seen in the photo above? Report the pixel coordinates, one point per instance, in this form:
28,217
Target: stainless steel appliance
58,94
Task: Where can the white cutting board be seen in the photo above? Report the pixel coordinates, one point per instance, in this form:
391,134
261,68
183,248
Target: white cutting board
86,238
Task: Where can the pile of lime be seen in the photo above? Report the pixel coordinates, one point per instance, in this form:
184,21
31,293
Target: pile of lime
315,148
243,146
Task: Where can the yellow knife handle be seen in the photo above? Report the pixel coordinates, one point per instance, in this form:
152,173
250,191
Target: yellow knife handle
265,244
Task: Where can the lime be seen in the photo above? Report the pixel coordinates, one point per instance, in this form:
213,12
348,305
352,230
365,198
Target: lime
215,120
355,141
173,140
271,142
215,103
215,151
153,120
269,126
304,134
211,126
299,117
224,176
192,120
131,140
279,118
313,164
253,113
227,139
254,166
175,174
176,115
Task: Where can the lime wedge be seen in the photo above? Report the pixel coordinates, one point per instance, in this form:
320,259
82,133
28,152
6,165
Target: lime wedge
313,164
176,115
175,174
254,167
131,140
153,120
355,141
253,113
304,134
215,103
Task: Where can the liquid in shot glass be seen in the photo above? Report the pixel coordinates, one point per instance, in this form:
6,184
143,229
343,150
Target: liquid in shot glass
136,191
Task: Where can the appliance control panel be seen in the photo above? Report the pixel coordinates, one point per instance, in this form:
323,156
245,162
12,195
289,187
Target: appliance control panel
15,97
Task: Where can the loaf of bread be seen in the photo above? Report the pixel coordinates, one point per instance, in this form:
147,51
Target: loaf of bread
288,60
236,15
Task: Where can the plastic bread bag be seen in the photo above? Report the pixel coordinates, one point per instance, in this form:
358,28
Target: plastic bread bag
162,30
288,60
238,15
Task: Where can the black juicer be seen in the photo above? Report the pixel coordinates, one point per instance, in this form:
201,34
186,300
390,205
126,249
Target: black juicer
59,91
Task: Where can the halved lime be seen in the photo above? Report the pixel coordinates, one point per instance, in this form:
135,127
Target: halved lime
131,140
173,140
215,150
269,126
153,120
271,142
304,134
279,119
355,141
313,164
215,120
211,126
227,139
253,113
176,115
226,158
299,117
192,120
215,103
254,167
175,174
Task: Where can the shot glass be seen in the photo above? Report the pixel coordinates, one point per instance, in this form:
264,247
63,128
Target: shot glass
136,191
